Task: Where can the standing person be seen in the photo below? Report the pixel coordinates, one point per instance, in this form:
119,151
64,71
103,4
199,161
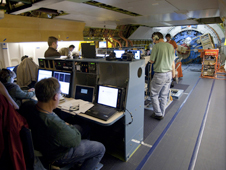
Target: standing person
174,44
52,50
162,56
58,141
168,39
67,51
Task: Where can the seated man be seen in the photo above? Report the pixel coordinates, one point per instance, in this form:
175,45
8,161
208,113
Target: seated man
7,78
5,93
15,68
27,73
58,141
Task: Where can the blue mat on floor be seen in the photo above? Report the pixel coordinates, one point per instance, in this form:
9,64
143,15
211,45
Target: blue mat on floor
180,86
149,122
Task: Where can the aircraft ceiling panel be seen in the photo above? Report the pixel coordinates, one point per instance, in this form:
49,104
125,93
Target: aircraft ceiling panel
77,17
184,22
90,21
194,4
208,13
143,7
153,19
87,10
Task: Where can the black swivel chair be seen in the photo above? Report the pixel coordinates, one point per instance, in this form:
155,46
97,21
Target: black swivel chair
32,156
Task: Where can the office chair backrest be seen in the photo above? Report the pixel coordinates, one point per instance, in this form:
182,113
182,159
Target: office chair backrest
26,138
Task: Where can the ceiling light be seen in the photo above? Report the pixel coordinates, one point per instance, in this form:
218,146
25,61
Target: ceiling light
155,4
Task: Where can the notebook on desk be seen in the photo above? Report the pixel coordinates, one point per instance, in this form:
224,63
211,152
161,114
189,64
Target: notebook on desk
109,100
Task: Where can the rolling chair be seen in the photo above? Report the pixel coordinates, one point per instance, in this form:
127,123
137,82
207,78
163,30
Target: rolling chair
32,156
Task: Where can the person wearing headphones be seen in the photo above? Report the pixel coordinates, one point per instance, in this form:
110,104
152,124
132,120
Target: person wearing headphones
7,78
162,56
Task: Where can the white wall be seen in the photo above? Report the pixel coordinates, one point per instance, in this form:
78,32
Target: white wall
2,61
11,53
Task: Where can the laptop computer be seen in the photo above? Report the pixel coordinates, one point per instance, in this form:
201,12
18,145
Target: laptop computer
109,100
11,68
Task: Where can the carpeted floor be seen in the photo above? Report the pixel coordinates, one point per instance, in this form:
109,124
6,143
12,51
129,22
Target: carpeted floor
150,123
180,86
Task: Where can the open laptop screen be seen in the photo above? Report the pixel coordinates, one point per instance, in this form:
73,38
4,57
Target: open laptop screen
44,74
10,68
84,93
107,96
64,79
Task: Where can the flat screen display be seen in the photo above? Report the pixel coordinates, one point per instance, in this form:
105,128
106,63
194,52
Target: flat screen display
10,68
84,92
64,79
88,50
102,44
107,96
44,74
118,53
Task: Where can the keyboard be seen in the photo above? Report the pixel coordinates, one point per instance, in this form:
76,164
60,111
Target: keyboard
101,112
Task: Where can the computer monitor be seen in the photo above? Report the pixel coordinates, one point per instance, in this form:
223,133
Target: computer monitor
65,79
11,68
44,74
118,53
84,92
88,50
107,96
136,54
102,44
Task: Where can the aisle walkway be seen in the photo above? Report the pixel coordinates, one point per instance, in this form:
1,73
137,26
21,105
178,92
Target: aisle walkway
177,141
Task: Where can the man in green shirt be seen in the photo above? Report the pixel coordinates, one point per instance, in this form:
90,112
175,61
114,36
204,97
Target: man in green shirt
58,141
162,57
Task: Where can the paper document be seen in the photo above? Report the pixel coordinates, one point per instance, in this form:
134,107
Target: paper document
82,105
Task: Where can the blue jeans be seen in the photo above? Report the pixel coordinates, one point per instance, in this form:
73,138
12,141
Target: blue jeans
89,153
160,86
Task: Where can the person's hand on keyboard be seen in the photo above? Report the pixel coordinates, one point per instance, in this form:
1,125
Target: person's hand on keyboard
30,90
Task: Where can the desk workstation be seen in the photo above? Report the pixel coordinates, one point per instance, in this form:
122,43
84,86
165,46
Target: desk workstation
126,125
